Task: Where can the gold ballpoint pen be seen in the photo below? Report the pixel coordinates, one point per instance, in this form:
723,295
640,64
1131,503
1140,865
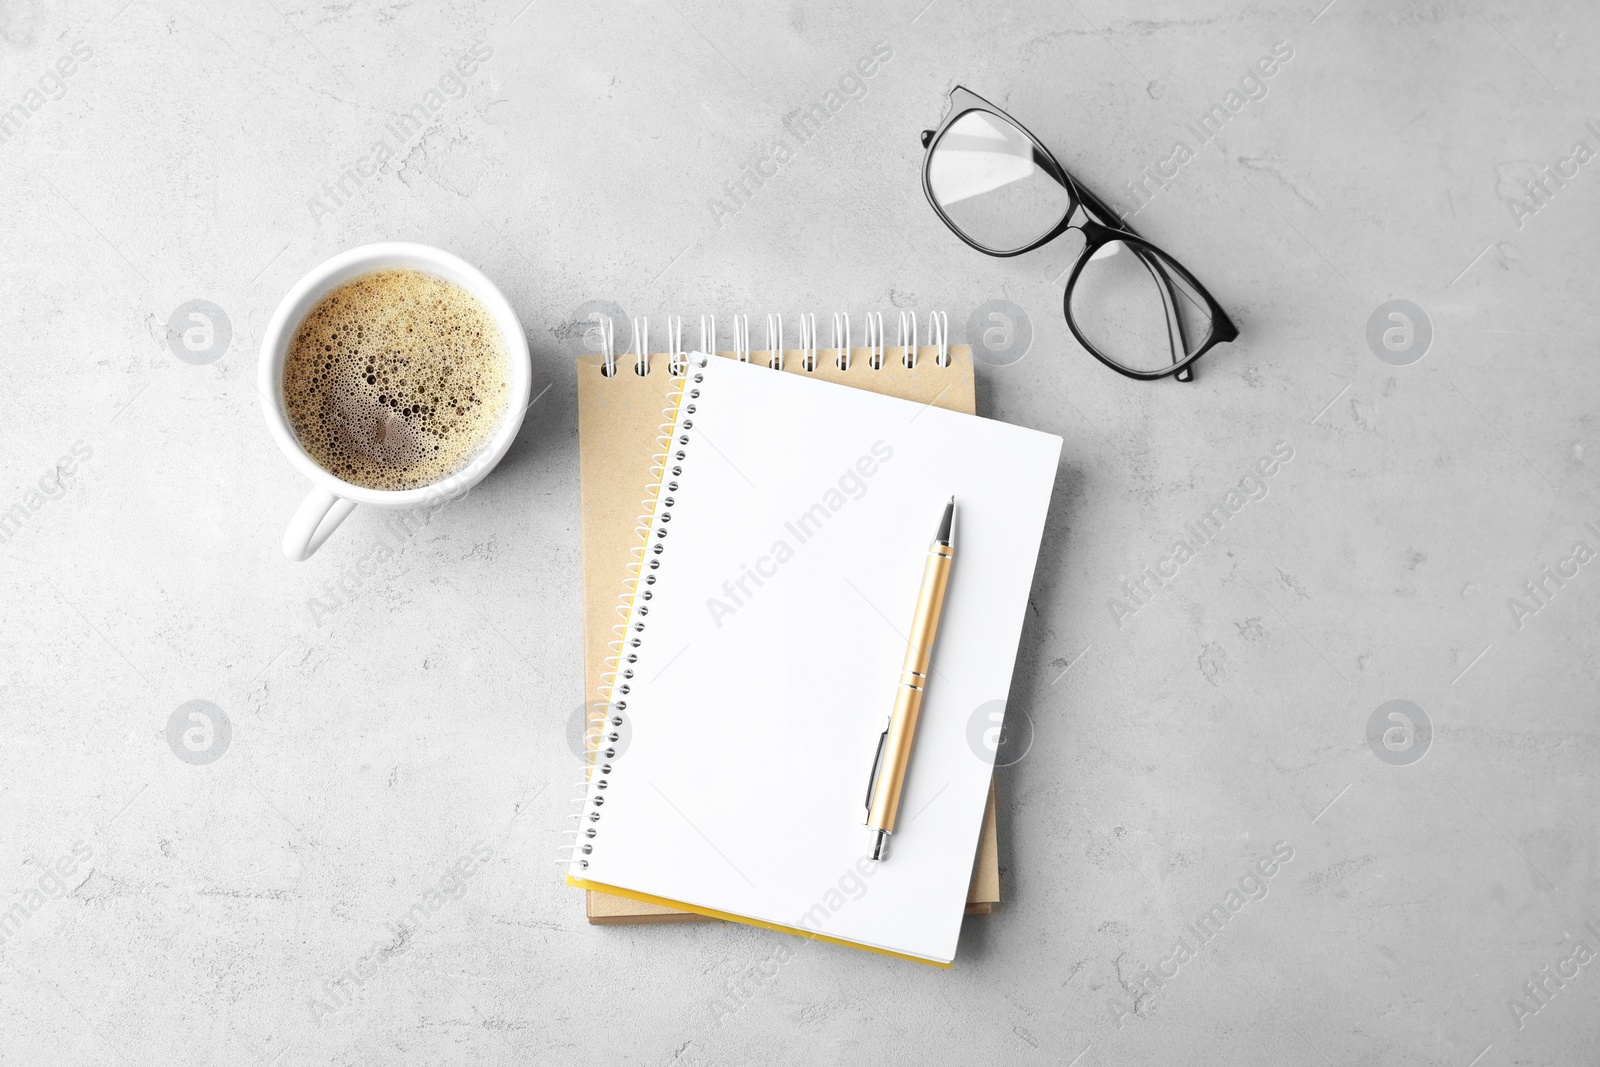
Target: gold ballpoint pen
894,745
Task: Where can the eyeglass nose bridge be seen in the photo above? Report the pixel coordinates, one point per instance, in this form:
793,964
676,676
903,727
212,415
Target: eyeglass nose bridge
1093,232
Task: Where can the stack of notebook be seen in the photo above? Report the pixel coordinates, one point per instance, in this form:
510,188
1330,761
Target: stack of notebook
765,529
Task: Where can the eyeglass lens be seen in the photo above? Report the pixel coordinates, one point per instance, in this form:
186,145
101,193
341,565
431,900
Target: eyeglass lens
1135,307
988,179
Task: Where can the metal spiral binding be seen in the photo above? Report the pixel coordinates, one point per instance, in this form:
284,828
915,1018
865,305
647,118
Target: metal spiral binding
608,346
675,352
841,340
641,346
808,342
908,345
906,338
939,334
633,603
775,343
875,340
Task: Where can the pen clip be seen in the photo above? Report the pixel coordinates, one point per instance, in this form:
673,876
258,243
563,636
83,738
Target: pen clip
877,761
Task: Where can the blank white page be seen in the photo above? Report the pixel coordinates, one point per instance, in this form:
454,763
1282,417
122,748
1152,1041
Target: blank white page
771,648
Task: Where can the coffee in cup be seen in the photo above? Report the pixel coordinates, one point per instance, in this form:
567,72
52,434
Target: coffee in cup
396,380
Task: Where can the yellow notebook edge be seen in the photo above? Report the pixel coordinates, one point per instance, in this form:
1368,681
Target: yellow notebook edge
728,916
611,909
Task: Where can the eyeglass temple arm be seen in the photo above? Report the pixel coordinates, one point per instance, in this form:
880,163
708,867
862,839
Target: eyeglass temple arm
1176,341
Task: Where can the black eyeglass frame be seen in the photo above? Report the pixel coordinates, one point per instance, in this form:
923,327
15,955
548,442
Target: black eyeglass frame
1097,233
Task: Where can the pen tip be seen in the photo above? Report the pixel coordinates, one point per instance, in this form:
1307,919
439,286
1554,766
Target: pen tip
946,532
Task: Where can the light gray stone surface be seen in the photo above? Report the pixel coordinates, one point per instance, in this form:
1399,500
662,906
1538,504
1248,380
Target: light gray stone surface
428,715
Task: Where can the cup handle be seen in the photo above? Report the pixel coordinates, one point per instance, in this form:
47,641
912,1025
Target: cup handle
319,515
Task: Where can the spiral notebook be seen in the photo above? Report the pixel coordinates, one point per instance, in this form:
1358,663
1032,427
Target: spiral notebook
618,422
782,548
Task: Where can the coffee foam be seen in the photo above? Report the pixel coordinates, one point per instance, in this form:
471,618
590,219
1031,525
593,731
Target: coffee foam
396,380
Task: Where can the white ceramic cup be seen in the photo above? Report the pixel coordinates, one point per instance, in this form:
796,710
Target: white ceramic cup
332,498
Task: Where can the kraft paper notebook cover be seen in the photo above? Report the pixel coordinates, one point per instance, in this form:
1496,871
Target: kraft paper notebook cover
617,429
735,758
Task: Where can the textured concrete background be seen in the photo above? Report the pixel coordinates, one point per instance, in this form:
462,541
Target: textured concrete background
196,898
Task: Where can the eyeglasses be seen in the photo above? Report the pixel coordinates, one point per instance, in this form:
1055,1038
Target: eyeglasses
1134,307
